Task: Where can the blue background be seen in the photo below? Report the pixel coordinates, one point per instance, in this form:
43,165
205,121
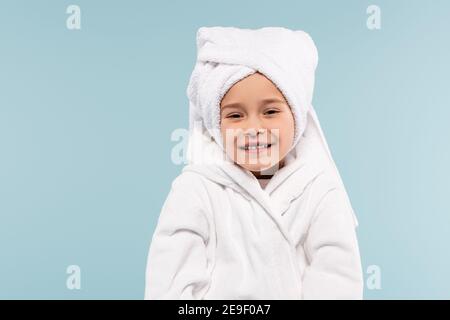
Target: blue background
86,117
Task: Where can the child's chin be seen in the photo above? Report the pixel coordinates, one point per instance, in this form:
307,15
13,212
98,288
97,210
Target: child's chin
259,167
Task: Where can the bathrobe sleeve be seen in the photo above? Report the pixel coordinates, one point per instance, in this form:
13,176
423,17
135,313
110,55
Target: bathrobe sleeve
177,263
334,270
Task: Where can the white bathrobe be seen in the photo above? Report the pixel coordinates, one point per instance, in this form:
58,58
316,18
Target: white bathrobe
219,234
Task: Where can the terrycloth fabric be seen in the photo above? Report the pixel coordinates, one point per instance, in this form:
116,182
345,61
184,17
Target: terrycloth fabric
220,235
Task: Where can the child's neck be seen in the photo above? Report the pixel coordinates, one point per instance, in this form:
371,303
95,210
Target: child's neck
268,173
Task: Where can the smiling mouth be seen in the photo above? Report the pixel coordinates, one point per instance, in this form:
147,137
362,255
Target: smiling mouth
255,147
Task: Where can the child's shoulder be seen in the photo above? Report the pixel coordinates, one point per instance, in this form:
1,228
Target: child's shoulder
331,193
190,184
327,180
189,181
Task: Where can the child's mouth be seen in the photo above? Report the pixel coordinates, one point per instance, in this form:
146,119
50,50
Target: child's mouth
256,148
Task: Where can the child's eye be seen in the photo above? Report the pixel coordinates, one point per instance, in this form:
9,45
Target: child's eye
234,115
272,111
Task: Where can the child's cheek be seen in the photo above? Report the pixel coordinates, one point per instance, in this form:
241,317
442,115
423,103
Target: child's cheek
229,141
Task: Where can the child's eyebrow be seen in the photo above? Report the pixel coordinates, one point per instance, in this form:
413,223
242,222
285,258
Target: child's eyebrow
262,102
272,100
232,105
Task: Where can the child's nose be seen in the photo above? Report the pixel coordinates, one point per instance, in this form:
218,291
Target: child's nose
253,131
253,127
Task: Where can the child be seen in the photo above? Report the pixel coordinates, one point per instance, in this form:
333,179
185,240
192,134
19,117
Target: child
260,211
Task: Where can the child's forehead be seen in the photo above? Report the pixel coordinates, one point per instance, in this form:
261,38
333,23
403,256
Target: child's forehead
255,87
255,80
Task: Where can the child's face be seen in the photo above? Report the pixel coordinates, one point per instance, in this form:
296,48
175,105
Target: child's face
255,113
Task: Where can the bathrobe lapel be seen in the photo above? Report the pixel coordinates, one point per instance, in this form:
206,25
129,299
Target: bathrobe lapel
274,199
